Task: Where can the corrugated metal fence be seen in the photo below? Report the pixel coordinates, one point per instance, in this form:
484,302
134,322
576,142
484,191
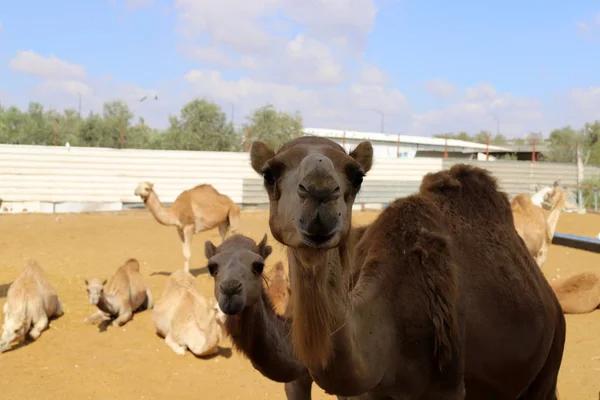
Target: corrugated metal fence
45,178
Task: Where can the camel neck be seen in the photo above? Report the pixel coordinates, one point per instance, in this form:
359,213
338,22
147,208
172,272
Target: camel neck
105,305
161,213
263,337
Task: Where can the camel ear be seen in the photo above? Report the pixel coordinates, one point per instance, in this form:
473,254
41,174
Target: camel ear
260,153
263,248
363,153
209,249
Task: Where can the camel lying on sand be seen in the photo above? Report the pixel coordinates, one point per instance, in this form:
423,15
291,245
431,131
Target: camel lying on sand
194,210
184,318
125,293
255,328
578,294
389,316
536,225
30,303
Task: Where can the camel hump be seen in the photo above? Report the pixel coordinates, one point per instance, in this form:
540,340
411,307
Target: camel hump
132,264
470,190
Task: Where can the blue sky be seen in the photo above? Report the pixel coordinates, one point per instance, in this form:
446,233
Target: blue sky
428,66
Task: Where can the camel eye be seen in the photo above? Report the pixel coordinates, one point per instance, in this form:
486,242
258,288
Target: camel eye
269,177
213,268
257,267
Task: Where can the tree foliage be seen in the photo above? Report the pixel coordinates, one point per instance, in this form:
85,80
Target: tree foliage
272,127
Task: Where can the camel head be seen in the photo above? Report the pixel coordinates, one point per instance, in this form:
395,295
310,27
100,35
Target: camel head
554,197
143,189
237,266
12,329
95,289
312,183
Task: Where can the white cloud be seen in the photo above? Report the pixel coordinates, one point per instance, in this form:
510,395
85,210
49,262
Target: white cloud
137,4
51,67
440,88
477,109
373,75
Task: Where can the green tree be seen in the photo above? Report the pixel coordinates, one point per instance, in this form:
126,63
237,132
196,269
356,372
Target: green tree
201,125
272,127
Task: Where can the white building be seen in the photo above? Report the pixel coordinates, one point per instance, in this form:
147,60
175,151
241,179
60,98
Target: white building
406,146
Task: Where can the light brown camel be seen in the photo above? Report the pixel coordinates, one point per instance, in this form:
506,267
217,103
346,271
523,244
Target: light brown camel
194,210
125,293
389,316
278,289
255,329
536,225
31,301
185,319
578,294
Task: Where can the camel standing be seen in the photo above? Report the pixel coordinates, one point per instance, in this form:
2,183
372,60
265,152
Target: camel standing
195,210
30,303
251,321
186,319
578,294
536,225
125,293
389,316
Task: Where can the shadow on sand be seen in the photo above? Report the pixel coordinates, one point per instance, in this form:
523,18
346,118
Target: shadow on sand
4,289
195,272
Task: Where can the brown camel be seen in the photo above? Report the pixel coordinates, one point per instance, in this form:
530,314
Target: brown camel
194,210
389,316
536,225
251,322
578,294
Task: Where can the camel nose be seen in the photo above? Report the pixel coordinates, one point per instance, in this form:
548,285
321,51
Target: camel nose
322,192
231,287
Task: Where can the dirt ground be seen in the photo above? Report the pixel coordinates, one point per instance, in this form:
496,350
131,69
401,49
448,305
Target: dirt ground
73,360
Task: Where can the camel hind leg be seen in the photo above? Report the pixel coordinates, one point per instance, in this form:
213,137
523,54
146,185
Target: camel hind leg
185,235
233,218
177,348
149,302
40,325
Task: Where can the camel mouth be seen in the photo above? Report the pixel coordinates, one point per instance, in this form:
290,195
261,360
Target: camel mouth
318,239
231,305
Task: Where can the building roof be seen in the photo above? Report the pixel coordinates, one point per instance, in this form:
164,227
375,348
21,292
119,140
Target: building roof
393,138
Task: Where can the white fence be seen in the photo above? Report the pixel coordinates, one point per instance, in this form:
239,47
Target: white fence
57,179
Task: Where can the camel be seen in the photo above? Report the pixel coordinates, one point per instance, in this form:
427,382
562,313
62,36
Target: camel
31,301
185,319
578,294
388,316
278,289
536,225
256,330
195,210
125,293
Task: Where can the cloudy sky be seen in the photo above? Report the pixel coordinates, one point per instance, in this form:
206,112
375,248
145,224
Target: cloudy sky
427,66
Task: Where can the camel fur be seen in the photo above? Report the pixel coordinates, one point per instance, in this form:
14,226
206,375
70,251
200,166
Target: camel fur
31,301
256,329
185,319
388,316
125,293
536,225
578,294
198,209
278,289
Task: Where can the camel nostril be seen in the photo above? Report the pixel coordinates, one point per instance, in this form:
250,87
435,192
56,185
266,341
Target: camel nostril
231,287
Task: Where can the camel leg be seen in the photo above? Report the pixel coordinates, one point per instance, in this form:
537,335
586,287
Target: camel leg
299,389
124,316
97,315
223,228
186,239
59,309
149,300
39,326
177,348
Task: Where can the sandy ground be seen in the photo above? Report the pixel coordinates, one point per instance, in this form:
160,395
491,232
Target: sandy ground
73,360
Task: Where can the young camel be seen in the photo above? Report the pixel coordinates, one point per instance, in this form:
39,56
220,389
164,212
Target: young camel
31,301
578,294
389,316
250,319
185,319
195,210
125,293
536,225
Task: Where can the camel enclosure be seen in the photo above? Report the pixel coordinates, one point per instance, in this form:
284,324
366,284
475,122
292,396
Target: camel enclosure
76,361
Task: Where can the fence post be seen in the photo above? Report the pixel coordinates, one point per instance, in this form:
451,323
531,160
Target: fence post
580,177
